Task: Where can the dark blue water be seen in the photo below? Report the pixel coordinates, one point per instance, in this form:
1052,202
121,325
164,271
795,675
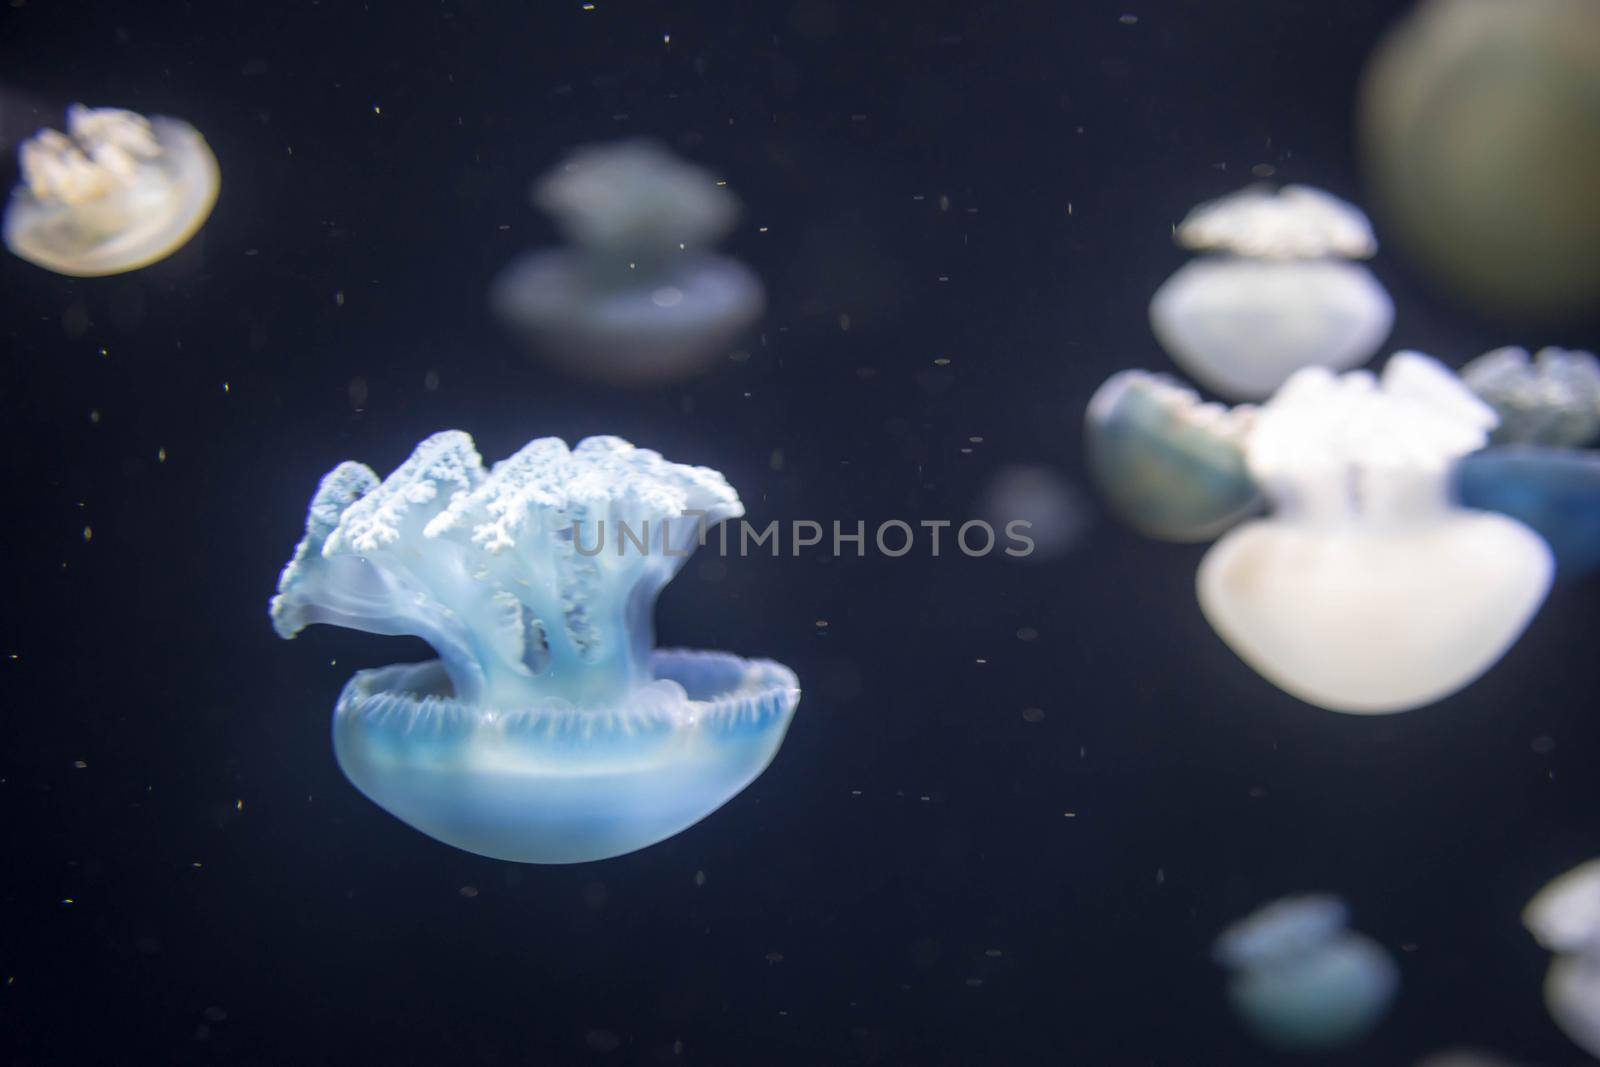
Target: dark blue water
187,876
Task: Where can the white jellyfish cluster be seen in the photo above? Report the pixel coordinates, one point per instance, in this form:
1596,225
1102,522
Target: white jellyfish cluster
1300,979
1276,289
1366,587
114,193
1565,918
637,297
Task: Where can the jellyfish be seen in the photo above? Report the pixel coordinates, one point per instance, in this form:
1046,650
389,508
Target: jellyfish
1170,466
1554,399
1536,474
1300,979
548,730
1368,589
116,192
1479,125
1052,508
1278,294
1565,918
636,299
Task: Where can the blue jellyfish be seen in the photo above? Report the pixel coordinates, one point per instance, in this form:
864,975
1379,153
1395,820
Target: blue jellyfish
1169,465
1279,292
1547,407
1300,979
636,299
1368,589
548,730
116,192
1565,918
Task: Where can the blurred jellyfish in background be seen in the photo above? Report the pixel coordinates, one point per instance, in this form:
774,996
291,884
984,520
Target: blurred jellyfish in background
636,299
549,730
116,192
1480,128
1170,466
1536,473
1278,292
1300,979
1463,1058
1565,918
1552,400
1367,589
1054,510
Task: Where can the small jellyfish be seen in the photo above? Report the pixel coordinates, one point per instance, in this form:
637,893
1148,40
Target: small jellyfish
1170,466
1300,979
1479,126
636,299
1367,589
1052,508
116,192
1552,400
1565,918
1279,294
548,730
1556,491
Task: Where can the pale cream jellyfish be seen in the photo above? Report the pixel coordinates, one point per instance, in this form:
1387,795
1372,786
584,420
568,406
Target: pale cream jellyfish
1277,292
1367,589
116,192
1565,918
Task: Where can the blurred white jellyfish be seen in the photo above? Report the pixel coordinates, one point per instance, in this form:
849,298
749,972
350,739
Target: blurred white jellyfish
636,299
1565,918
1170,466
116,192
1301,979
1480,124
1053,509
1278,293
1367,589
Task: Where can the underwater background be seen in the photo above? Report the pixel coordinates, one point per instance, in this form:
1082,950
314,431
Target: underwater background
1019,798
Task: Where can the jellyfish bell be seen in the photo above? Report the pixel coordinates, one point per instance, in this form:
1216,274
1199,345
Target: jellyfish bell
1300,979
1479,125
636,298
115,193
1276,292
1367,589
1170,466
548,730
1555,491
1564,917
625,329
1551,399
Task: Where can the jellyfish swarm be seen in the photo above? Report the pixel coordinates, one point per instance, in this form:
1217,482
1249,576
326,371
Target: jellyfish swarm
1278,294
547,731
1300,979
1536,474
1565,918
116,192
1170,466
1367,589
1479,125
636,299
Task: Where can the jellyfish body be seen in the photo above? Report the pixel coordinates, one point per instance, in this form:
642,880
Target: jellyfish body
1564,917
1367,589
115,193
548,730
1555,491
636,298
1169,465
1300,979
1480,130
1279,292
